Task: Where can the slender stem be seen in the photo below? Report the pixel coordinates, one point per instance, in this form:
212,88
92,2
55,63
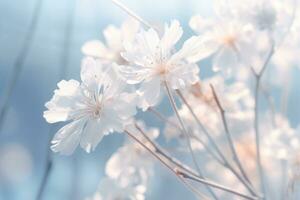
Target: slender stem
162,152
271,104
161,161
217,186
182,167
48,168
193,189
225,162
19,62
44,180
188,137
131,13
165,120
229,136
258,77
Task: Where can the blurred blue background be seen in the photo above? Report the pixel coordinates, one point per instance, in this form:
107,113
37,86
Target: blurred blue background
62,28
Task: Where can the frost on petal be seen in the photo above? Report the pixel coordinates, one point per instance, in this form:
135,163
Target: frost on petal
171,36
67,138
61,105
150,92
94,48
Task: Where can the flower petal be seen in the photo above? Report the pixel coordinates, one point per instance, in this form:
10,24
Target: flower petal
67,138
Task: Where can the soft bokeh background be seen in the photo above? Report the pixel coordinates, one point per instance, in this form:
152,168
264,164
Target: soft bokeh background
63,26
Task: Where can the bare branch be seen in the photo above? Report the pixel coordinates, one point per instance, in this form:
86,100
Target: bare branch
229,136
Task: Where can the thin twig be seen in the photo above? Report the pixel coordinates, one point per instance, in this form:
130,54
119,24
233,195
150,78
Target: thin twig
258,78
192,188
188,137
45,179
218,186
229,136
131,13
163,118
19,62
184,174
271,104
161,161
48,168
166,120
225,162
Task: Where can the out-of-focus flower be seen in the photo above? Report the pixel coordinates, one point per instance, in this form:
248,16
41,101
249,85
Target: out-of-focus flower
114,37
110,189
281,141
236,99
229,41
154,61
136,168
95,107
264,15
15,163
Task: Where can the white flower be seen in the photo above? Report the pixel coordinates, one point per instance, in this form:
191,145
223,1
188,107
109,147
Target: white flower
154,61
265,15
94,108
136,168
114,37
110,189
282,140
229,41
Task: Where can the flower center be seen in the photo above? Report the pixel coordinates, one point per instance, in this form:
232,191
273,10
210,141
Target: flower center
97,112
229,40
161,69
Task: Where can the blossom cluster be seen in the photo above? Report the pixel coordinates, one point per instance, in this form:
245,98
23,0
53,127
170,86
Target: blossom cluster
219,120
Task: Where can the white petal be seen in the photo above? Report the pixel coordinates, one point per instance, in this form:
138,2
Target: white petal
125,105
63,102
67,138
113,37
92,134
150,92
183,75
95,48
171,36
129,29
197,48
